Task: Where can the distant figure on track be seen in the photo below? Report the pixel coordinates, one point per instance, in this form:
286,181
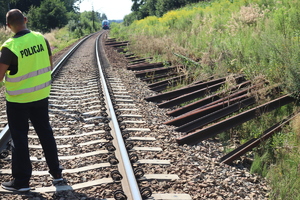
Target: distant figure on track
26,63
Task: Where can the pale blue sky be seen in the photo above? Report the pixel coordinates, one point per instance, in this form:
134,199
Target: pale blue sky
114,9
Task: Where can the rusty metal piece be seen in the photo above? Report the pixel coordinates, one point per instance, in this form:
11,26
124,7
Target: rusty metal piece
202,111
200,122
119,45
121,50
167,81
190,96
231,122
145,66
152,72
248,146
116,43
140,60
196,94
195,105
152,79
210,100
185,90
129,55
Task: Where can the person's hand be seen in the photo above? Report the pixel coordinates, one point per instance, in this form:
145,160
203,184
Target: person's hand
1,84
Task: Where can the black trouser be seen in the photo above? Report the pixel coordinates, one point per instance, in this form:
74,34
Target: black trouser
18,115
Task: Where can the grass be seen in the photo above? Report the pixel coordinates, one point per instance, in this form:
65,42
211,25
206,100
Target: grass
285,172
59,39
5,34
255,37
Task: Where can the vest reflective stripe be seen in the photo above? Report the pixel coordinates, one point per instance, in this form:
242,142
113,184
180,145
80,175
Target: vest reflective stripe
28,90
29,75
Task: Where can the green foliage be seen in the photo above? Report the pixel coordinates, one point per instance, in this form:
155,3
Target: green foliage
60,39
144,8
24,6
3,9
230,36
284,175
51,14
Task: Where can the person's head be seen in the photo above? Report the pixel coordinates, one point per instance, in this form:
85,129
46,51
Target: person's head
15,20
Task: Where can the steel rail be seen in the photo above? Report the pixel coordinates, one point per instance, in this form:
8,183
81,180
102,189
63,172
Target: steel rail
181,91
231,122
211,100
248,146
5,133
144,66
195,94
214,116
129,179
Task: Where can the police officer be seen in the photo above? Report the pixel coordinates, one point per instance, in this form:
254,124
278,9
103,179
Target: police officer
26,63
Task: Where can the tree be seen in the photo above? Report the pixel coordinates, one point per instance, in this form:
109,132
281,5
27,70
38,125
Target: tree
51,14
70,5
103,17
145,8
4,7
24,5
137,4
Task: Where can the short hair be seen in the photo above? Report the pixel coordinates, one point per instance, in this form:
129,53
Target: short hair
15,17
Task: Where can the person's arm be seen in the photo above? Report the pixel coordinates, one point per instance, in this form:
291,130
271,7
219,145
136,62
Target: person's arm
50,53
4,64
3,69
51,62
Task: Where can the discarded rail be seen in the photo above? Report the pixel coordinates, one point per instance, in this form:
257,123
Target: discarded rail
198,107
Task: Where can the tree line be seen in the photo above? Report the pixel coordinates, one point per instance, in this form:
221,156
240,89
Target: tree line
144,8
45,15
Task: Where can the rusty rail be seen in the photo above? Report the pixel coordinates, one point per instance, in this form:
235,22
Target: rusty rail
231,122
162,85
204,110
151,72
184,90
248,146
152,79
196,94
211,100
200,122
145,66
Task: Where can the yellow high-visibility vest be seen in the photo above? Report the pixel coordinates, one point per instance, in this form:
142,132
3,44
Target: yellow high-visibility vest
32,82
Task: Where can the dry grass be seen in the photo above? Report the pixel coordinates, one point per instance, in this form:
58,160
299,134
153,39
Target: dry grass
249,14
296,126
51,36
5,34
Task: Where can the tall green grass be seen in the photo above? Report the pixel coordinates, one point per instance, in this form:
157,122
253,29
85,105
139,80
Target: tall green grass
255,37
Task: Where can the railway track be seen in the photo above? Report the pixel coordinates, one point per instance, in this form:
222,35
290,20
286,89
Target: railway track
104,144
205,108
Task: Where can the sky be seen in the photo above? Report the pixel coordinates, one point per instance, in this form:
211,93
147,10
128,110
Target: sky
114,9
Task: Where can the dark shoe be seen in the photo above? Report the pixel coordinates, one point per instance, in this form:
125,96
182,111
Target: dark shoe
59,181
13,187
